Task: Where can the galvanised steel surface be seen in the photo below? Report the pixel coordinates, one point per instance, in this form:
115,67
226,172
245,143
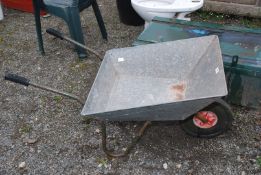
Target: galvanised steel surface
244,77
163,81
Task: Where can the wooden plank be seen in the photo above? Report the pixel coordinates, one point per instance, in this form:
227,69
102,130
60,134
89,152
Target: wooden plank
233,8
247,2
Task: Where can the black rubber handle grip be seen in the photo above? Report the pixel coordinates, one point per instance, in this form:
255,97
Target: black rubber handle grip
17,79
55,33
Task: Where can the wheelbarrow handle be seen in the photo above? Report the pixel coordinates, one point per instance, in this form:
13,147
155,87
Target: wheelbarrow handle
55,33
26,82
63,37
17,79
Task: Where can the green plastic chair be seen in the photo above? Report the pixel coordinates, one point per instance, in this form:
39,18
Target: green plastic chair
69,11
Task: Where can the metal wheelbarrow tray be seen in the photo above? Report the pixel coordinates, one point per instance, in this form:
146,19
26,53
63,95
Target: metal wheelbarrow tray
156,82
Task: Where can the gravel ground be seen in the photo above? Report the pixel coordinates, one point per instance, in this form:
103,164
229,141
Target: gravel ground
44,133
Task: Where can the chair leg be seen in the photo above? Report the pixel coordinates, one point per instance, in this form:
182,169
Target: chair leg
99,19
37,17
75,28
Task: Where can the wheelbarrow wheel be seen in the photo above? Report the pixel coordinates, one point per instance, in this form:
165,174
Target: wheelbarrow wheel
209,122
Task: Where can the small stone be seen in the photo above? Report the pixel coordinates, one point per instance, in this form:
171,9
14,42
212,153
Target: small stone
252,161
46,127
190,171
186,163
165,166
22,165
197,162
32,150
124,149
178,166
97,131
243,173
238,158
77,66
30,141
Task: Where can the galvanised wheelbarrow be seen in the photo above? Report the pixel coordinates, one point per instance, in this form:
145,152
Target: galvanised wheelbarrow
179,80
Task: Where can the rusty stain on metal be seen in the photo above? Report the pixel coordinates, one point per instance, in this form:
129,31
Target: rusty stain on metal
179,90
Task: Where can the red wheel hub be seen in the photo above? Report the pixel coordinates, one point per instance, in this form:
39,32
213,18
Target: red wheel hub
205,119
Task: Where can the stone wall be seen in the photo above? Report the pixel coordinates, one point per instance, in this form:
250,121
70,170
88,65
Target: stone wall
251,8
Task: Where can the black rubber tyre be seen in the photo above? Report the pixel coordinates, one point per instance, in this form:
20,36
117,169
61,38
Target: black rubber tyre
224,122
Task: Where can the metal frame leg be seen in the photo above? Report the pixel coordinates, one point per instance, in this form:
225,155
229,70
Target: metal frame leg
37,9
129,148
99,19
